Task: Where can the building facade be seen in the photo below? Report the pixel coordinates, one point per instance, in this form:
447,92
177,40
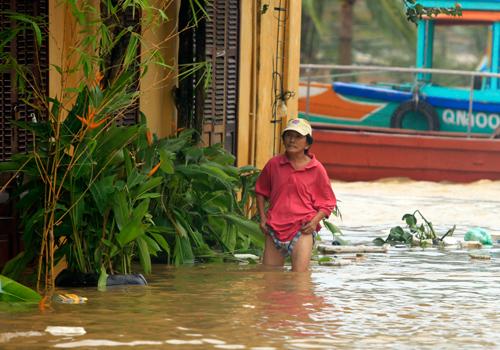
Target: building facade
251,46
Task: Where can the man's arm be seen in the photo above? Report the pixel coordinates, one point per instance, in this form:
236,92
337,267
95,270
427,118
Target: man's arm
261,202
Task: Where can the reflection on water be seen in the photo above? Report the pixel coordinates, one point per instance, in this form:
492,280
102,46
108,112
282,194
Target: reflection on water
405,299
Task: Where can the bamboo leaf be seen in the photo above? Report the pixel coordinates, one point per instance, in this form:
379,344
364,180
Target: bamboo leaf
32,23
131,52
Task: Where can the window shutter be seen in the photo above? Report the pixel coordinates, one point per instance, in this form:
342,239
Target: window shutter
13,105
25,49
221,50
131,18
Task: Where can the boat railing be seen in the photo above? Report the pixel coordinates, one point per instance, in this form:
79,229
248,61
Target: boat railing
419,74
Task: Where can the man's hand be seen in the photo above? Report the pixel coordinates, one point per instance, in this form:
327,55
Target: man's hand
310,227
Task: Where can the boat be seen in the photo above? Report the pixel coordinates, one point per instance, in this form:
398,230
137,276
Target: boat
366,154
420,130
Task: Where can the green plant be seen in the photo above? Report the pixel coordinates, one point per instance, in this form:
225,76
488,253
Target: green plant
205,201
82,196
14,292
413,232
334,229
84,193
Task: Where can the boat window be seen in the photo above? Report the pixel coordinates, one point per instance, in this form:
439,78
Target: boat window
461,47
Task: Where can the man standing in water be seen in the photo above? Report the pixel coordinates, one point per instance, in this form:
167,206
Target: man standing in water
300,196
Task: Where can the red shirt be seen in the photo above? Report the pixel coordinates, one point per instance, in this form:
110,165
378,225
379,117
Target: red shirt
295,196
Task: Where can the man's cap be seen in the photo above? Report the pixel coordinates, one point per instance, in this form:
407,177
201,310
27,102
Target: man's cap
302,126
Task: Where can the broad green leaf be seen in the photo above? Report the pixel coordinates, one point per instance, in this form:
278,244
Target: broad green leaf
78,210
149,195
183,253
248,228
102,192
128,162
144,254
141,210
167,164
410,219
135,178
103,279
162,242
332,228
130,232
228,236
166,230
121,209
15,266
113,141
153,246
11,290
379,241
152,183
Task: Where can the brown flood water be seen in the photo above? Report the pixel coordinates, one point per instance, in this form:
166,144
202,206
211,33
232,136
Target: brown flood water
406,299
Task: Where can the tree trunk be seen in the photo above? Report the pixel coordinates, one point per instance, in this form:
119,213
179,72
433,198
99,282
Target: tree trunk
346,18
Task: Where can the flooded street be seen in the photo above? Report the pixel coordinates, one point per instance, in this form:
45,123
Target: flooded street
405,299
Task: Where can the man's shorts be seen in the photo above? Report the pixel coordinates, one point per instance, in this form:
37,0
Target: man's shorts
286,248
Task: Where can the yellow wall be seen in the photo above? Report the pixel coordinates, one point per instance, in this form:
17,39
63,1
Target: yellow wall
258,138
63,39
156,100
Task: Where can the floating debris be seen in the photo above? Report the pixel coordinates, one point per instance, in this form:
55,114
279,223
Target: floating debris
471,245
336,262
478,234
247,257
342,249
69,299
65,331
450,241
480,256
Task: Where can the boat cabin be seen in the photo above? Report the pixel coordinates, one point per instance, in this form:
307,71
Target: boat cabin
422,102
